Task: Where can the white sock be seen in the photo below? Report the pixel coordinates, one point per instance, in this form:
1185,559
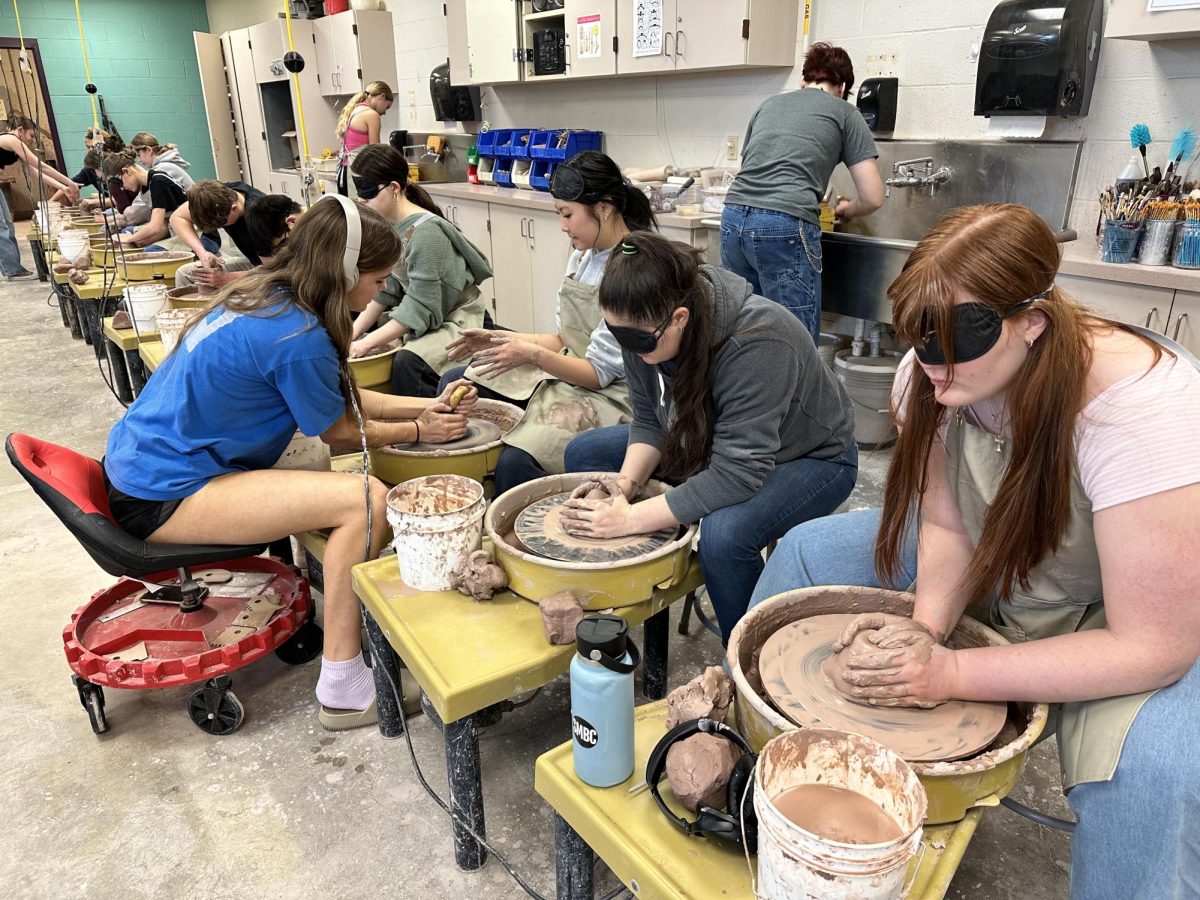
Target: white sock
347,684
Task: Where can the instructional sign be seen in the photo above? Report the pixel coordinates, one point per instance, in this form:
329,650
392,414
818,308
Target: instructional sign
647,27
587,39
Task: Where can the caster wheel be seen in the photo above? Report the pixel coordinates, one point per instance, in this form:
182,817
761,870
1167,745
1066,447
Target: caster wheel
215,709
302,646
91,697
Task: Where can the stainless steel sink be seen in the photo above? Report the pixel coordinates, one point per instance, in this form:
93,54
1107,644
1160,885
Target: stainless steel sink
858,269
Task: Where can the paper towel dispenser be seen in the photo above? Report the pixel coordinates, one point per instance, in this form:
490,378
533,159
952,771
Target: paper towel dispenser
1038,58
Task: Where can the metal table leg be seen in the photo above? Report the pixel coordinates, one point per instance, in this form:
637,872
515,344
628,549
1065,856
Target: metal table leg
39,260
654,672
137,372
461,740
385,662
81,307
119,371
573,863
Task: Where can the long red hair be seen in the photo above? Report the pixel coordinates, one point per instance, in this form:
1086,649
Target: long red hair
999,255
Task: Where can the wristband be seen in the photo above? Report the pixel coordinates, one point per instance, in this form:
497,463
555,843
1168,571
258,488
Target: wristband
417,425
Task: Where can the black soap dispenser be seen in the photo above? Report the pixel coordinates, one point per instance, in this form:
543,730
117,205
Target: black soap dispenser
877,102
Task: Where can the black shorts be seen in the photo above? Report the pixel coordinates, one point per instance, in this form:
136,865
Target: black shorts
141,518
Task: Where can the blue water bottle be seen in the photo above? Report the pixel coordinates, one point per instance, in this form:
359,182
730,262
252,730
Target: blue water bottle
602,700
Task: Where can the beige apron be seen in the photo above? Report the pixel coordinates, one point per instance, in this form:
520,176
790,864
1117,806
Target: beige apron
558,411
467,313
1065,592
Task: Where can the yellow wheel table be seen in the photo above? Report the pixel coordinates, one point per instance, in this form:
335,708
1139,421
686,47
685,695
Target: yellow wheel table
470,658
96,299
152,353
656,860
128,371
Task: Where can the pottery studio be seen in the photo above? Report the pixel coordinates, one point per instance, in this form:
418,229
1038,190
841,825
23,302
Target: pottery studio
601,449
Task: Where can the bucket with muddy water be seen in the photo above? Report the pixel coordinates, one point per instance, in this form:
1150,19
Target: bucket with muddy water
437,521
868,382
839,816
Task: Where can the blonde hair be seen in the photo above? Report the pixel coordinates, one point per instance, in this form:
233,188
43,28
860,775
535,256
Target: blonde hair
374,89
144,139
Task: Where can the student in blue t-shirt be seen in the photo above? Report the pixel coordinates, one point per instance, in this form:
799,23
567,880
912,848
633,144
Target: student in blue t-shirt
191,460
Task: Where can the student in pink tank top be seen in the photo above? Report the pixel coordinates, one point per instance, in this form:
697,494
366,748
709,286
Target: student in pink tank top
359,125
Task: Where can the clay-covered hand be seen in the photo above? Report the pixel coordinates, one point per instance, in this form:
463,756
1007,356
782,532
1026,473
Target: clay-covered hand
362,347
469,342
599,518
597,489
886,660
880,628
439,425
460,396
89,203
211,278
71,189
503,355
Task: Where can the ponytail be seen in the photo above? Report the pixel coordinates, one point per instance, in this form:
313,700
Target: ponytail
418,195
347,111
636,210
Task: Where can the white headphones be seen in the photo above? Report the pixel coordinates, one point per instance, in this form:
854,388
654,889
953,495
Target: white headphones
353,238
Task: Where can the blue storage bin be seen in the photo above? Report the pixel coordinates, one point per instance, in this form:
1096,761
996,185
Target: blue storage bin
539,143
487,143
520,142
504,143
502,174
539,175
562,145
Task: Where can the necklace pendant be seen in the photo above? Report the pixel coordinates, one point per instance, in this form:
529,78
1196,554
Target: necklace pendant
999,443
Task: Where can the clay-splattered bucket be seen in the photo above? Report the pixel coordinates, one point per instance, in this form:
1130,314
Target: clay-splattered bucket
170,323
437,521
794,862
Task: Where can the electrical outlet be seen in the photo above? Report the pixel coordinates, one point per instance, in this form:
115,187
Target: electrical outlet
731,146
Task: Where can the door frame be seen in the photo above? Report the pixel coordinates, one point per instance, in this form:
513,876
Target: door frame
11,43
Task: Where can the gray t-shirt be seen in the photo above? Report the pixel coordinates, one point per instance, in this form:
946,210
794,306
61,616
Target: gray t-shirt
793,144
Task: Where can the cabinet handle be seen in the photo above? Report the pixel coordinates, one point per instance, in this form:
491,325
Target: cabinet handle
671,35
680,44
531,244
1178,323
524,226
567,48
1150,315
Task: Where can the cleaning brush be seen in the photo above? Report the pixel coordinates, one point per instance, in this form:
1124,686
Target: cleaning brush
1183,146
1139,138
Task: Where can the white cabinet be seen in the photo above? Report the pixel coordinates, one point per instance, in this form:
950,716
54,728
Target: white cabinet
459,49
247,108
268,43
217,106
492,29
1134,304
513,270
471,217
633,34
549,248
591,27
1184,326
353,49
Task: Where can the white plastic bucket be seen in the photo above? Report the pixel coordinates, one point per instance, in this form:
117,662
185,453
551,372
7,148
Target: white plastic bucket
72,242
868,381
144,302
795,863
171,323
437,521
828,345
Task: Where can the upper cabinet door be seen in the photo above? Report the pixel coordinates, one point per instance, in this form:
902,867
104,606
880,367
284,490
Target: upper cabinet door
345,53
326,61
459,46
268,43
375,50
492,37
709,35
215,90
646,28
591,26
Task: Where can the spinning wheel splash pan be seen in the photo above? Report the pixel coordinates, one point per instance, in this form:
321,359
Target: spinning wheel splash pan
599,585
953,787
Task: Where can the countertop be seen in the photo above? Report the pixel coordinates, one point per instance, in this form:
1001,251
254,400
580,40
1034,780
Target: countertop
534,200
1082,258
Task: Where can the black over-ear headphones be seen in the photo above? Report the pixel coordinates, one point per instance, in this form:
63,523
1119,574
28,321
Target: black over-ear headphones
739,793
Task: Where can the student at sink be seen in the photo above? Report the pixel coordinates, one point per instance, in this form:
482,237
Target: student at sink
359,126
731,405
770,229
1051,459
433,292
573,379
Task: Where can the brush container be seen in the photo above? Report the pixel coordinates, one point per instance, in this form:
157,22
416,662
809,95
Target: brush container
1187,246
1119,241
1159,237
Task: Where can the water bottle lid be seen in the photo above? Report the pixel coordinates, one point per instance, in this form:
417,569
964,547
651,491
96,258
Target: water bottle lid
605,639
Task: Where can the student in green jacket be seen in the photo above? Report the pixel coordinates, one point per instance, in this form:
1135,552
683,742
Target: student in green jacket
433,292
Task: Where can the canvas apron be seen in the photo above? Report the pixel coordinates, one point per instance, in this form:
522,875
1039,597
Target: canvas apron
467,313
558,411
1064,595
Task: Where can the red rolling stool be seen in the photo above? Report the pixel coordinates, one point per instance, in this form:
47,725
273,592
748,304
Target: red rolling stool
180,613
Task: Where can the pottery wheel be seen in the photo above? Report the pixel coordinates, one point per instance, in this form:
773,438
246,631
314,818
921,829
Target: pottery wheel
479,432
540,528
790,668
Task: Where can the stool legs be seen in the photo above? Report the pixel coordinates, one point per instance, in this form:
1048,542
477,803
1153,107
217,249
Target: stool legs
385,662
657,631
573,863
137,371
461,741
118,371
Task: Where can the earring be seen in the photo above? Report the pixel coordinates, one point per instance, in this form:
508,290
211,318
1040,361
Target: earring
1029,343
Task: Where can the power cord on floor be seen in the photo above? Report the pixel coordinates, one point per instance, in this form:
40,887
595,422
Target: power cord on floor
398,695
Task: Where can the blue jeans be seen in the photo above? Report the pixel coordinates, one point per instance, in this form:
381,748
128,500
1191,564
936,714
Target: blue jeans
780,255
515,468
10,250
732,538
1139,834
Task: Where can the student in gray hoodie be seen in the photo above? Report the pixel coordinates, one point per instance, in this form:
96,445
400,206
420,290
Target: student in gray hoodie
731,405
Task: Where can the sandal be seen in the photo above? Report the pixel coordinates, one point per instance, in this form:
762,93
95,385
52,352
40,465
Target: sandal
345,719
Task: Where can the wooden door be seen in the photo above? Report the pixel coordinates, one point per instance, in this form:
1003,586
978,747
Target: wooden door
472,218
492,36
550,247
256,166
268,43
513,270
459,46
630,30
215,92
709,35
591,26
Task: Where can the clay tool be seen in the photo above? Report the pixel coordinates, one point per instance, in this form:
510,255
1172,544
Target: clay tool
457,397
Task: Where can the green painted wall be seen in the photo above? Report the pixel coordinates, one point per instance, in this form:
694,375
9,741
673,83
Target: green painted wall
143,60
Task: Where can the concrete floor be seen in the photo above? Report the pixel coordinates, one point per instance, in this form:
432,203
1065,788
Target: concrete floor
281,808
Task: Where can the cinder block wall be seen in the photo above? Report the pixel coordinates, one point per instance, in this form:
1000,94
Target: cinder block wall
143,60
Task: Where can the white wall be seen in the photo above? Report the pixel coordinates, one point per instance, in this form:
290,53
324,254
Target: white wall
684,119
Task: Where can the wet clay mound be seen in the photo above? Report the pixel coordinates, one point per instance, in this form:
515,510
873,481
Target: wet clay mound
541,529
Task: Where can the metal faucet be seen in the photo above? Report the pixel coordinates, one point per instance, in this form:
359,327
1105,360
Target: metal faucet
906,174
